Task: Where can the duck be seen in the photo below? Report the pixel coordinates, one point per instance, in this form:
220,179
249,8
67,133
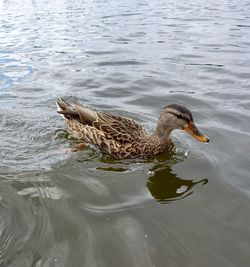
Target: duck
122,137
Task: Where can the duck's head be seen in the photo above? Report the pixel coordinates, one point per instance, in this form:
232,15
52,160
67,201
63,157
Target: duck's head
175,116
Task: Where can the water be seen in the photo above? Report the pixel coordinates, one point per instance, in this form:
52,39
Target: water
187,208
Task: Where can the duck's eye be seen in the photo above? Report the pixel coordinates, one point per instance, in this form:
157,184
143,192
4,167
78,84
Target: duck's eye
179,116
183,117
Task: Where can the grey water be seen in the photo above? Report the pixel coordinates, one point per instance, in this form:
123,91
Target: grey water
189,207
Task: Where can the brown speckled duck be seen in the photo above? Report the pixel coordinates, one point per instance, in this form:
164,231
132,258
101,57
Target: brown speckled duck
122,137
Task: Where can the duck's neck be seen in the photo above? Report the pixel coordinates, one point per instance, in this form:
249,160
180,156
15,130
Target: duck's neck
163,133
165,125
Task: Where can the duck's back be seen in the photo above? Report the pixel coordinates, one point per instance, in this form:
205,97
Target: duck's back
118,136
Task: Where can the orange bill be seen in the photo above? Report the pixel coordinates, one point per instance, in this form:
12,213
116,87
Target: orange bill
192,129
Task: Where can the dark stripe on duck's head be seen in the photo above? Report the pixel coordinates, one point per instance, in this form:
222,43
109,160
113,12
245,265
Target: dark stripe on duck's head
180,112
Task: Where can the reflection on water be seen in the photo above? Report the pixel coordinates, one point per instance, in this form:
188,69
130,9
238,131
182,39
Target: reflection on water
165,186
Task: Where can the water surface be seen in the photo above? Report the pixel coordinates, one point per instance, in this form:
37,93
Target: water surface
186,208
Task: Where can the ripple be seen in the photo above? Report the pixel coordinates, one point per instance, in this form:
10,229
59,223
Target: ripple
101,53
131,59
21,238
120,63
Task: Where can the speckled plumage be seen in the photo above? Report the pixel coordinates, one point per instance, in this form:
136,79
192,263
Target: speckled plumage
117,136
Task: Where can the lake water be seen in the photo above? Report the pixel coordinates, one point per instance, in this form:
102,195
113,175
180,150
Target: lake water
187,208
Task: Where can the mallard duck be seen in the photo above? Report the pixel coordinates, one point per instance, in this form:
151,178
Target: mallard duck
122,137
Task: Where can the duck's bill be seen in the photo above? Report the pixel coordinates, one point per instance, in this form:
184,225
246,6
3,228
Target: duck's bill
192,129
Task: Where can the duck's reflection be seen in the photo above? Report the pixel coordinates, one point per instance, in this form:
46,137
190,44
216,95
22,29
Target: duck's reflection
164,185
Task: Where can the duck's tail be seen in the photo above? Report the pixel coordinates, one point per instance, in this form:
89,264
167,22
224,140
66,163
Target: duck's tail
65,108
73,110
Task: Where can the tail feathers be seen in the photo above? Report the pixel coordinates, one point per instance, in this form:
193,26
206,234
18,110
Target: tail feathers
65,108
62,104
70,110
67,112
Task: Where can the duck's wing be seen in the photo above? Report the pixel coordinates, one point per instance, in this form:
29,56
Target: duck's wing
120,129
